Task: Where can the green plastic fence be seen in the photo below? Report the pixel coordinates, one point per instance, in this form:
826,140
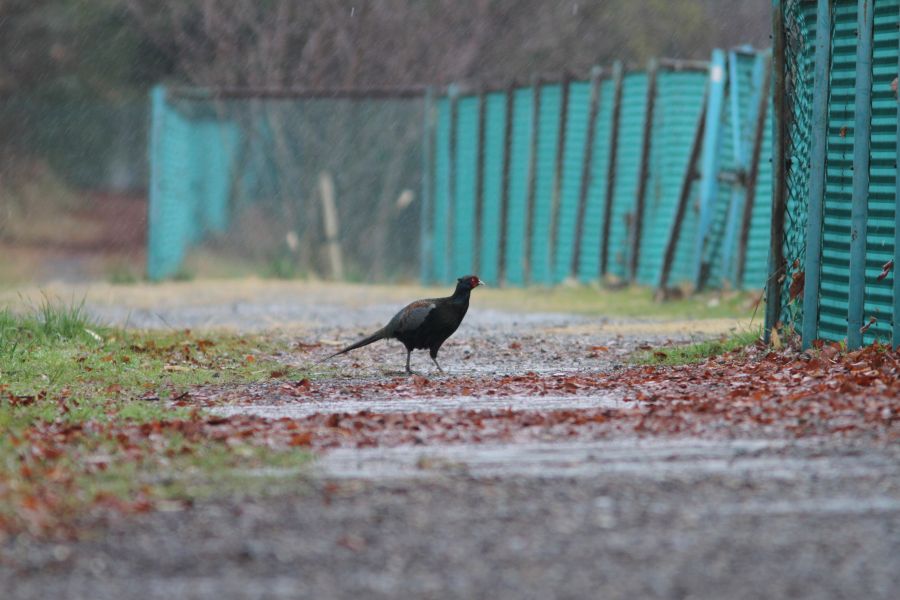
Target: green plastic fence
520,149
882,198
542,214
242,175
835,280
676,112
595,198
632,121
492,185
835,277
189,184
755,272
465,185
440,238
547,185
577,115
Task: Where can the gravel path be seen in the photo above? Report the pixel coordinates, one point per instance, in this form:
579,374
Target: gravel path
623,517
622,520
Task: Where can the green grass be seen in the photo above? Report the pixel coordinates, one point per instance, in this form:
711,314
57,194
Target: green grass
52,348
697,352
62,374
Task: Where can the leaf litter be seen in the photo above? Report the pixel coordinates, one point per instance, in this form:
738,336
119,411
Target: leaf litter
755,392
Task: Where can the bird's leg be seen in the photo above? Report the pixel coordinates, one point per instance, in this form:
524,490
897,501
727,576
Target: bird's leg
408,370
434,358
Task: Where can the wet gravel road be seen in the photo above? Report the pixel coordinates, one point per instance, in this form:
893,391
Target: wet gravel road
626,519
621,516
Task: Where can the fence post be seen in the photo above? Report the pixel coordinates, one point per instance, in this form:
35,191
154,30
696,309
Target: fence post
587,173
818,154
762,109
425,216
558,173
532,176
895,330
156,267
644,173
618,79
862,128
779,174
729,270
709,169
479,184
453,96
504,186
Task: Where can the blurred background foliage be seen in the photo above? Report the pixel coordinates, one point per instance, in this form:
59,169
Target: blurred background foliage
75,74
111,49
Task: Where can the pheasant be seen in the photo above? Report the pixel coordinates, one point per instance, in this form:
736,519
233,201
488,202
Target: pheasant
425,324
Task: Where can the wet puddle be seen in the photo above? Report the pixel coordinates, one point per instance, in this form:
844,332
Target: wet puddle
308,407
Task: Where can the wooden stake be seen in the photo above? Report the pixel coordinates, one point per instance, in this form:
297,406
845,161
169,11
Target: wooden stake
330,217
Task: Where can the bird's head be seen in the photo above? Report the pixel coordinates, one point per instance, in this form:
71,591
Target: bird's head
469,282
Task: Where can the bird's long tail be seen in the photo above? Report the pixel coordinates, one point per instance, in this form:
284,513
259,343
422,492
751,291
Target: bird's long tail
378,335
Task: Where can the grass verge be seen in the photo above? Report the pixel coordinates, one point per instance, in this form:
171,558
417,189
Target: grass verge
92,419
697,352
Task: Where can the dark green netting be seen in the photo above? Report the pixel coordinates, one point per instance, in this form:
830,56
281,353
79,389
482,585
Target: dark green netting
240,183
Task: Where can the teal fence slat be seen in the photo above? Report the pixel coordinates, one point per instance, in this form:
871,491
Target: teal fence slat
465,186
577,116
872,300
632,121
441,241
519,172
835,271
492,185
172,219
882,173
761,217
592,228
677,107
545,177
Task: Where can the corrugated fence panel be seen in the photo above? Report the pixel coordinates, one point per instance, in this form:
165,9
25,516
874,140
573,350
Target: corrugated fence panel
441,250
545,178
631,130
577,115
592,228
838,175
679,98
519,169
465,186
880,223
761,217
717,269
492,185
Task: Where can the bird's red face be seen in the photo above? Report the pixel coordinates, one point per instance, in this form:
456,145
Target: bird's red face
472,281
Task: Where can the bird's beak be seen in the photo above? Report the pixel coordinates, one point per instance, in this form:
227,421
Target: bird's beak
480,282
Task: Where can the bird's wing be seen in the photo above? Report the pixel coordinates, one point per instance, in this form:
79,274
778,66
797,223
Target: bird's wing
412,316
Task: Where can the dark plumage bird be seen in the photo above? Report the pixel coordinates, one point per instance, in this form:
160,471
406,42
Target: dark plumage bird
425,324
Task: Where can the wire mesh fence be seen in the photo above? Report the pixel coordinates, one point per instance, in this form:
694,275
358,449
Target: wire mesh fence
799,35
287,182
839,71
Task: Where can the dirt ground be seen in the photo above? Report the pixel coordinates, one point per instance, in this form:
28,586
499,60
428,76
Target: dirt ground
579,506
